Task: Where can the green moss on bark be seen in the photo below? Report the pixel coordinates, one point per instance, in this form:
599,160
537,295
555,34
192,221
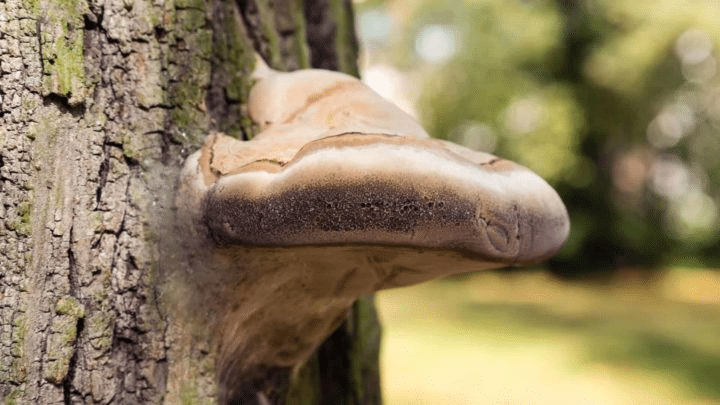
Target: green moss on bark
70,306
189,395
305,384
14,397
99,330
234,56
62,49
32,5
189,70
21,224
346,47
300,35
237,54
61,343
185,4
365,354
19,364
269,34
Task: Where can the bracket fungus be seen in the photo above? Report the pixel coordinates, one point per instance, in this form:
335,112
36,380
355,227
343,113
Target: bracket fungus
342,194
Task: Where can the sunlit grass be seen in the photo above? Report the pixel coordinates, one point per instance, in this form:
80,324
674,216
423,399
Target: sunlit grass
530,339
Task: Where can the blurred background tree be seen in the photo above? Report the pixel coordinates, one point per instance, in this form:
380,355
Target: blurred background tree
616,103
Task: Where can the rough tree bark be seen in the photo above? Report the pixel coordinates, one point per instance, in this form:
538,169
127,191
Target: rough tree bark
100,103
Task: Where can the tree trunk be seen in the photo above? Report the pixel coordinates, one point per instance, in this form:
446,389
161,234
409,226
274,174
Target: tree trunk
101,101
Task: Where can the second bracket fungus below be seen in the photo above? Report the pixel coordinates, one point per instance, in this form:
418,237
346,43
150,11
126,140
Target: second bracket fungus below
339,195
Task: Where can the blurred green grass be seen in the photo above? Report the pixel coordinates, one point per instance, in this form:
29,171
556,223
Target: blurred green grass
527,338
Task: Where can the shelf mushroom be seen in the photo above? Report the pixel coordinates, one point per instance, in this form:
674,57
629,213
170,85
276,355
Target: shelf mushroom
342,194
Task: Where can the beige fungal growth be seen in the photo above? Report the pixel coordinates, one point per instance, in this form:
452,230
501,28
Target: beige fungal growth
342,194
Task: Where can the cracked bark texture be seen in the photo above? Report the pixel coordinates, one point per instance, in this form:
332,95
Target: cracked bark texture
100,103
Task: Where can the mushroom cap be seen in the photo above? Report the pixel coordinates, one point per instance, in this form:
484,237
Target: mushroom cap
339,195
379,189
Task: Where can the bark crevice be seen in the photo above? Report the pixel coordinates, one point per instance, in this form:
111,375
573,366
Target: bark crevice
63,105
67,384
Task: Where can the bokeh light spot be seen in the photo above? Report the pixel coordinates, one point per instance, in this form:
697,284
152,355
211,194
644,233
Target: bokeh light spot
475,135
436,43
374,28
693,46
524,116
